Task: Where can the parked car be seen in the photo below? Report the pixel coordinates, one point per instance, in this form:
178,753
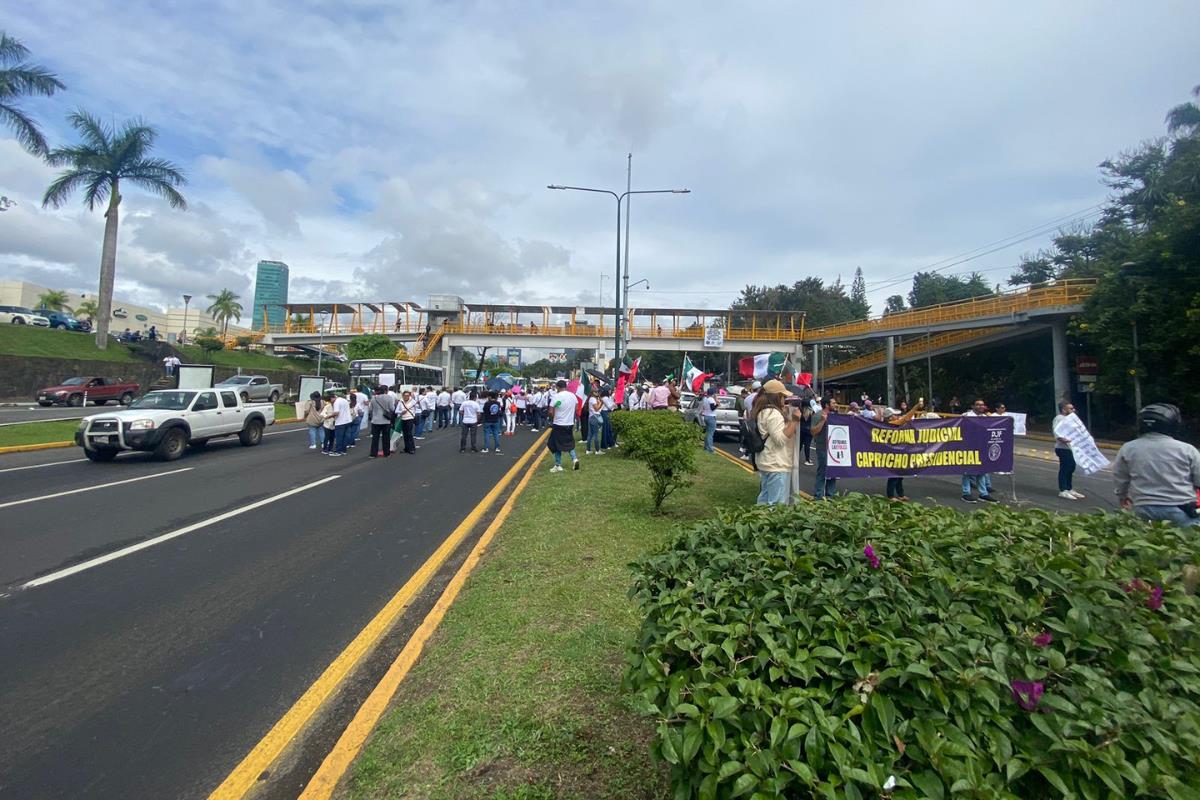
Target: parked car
73,391
729,416
166,422
252,388
18,315
64,321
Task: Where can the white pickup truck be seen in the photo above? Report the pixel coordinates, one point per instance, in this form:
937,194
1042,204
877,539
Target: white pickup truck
166,422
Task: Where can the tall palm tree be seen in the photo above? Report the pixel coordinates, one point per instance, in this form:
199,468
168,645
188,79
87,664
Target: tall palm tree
1184,119
20,79
88,309
104,158
53,299
224,308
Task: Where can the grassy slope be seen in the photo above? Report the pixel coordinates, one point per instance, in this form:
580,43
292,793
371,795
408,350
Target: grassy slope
518,694
38,432
24,340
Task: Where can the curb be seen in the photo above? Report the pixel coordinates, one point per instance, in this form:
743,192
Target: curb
27,448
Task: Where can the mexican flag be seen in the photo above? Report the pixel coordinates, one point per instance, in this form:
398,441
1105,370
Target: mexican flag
761,367
630,368
693,376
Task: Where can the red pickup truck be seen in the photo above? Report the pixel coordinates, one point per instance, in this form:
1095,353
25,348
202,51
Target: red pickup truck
72,392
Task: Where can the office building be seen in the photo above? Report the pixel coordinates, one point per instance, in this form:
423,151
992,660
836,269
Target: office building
271,291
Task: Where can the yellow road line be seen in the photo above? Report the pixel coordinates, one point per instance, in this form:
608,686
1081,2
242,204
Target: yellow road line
28,448
355,736
742,464
246,774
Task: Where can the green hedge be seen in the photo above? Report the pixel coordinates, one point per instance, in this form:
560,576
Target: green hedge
821,649
664,443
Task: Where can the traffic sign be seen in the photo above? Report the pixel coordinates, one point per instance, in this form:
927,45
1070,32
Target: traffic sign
1087,388
1087,365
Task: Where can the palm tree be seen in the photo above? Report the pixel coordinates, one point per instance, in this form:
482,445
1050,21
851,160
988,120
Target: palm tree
88,309
1184,119
53,299
103,159
224,308
19,79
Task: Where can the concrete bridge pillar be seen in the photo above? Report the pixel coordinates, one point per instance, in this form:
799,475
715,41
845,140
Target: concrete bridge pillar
1062,371
453,365
816,368
891,371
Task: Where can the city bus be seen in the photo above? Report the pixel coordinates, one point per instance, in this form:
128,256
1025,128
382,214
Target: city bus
393,372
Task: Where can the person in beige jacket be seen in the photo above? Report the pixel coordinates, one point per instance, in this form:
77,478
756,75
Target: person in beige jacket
777,425
312,418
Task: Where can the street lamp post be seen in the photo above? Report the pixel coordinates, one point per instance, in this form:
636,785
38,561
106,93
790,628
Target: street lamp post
620,198
187,298
321,340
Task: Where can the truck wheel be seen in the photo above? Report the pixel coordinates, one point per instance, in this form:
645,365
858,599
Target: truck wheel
100,456
75,400
245,398
127,398
252,433
274,397
171,447
18,320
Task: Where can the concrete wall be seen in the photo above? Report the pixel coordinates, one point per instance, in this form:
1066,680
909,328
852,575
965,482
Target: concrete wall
21,376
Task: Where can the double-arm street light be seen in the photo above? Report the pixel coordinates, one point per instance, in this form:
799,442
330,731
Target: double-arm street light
620,198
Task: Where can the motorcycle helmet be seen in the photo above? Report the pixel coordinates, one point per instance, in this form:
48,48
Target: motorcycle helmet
1159,418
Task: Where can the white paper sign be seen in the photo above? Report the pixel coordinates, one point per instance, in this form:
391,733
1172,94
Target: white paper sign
1087,456
1018,422
714,337
386,378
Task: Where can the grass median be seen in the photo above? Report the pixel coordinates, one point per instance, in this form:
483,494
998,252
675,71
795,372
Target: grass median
518,693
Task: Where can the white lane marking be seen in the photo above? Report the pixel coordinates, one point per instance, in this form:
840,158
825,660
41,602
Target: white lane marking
95,562
93,488
280,433
39,466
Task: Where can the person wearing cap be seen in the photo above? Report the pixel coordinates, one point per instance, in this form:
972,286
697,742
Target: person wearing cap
708,416
868,411
777,425
1157,475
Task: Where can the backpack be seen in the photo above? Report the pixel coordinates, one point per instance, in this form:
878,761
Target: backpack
755,443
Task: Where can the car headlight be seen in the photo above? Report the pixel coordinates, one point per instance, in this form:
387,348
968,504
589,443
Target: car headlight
60,393
141,425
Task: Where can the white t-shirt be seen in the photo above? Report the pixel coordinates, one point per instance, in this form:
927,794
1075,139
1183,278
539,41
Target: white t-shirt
341,407
459,397
408,409
443,399
429,401
470,411
521,401
564,407
607,403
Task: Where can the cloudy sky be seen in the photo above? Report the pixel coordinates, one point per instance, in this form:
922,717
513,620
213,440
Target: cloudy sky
391,150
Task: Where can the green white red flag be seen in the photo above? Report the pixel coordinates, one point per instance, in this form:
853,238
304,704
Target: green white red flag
762,366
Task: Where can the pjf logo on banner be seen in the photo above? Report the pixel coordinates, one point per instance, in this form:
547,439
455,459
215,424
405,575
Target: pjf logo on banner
839,446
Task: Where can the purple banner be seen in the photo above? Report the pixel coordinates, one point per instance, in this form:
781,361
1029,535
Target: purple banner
863,448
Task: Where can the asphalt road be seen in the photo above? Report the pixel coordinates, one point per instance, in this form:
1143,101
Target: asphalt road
152,675
1034,481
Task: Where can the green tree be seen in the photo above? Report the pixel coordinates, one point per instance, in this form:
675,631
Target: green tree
931,288
225,306
858,295
1184,119
370,345
820,303
87,309
98,164
54,299
894,305
210,340
19,78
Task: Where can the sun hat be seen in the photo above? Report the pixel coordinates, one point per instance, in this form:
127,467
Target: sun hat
756,385
776,387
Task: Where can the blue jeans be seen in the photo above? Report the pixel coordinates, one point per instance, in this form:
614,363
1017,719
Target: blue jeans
774,488
595,433
1066,468
341,437
983,482
1172,514
825,487
492,430
558,457
456,415
710,430
355,427
315,435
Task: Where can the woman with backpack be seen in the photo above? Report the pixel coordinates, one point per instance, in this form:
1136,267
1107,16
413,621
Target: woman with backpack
493,418
775,425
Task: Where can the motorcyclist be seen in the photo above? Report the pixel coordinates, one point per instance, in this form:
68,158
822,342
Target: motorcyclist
1156,474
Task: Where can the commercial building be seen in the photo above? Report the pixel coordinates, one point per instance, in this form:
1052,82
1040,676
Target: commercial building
271,292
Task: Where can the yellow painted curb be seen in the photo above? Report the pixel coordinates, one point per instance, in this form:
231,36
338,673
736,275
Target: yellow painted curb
355,736
742,464
245,775
27,448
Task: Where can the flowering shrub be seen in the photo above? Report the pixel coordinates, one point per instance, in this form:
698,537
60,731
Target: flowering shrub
860,648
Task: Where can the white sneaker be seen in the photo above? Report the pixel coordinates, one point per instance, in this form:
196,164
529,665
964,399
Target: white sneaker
602,452
556,468
312,447
1077,495
484,450
1065,495
575,465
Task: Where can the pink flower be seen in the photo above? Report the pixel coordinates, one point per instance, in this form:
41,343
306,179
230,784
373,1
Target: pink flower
1043,639
1154,601
1027,694
869,552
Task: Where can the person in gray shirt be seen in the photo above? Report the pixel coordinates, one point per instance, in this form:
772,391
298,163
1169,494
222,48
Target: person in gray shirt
382,411
1156,474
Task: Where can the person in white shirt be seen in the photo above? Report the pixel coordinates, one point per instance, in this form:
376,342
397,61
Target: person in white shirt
328,418
607,406
522,401
1066,457
563,405
469,419
362,399
982,482
510,413
343,419
443,408
457,398
539,409
428,404
408,410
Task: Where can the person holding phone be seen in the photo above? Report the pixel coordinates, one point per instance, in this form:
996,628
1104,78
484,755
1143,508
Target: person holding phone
777,423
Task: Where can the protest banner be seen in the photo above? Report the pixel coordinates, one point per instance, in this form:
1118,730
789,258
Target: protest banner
863,448
1088,457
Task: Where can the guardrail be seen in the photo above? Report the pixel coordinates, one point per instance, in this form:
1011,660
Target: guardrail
916,347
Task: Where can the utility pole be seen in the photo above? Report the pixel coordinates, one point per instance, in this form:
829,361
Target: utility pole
625,293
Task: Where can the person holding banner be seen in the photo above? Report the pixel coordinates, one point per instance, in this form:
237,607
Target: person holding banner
777,425
819,425
983,482
1066,458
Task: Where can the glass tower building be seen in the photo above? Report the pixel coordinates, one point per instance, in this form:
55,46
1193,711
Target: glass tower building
270,289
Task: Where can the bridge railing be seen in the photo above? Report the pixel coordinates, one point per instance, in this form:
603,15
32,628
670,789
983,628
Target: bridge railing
914,347
753,332
1061,293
